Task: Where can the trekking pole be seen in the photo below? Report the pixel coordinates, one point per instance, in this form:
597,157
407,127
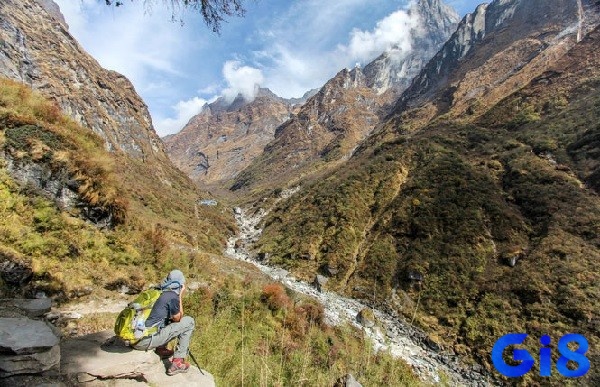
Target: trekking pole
195,361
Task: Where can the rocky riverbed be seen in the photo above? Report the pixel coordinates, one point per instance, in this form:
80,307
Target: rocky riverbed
390,333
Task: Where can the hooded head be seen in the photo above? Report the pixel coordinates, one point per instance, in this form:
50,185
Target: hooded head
174,281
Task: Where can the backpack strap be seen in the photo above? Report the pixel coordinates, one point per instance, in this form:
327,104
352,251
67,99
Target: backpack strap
166,285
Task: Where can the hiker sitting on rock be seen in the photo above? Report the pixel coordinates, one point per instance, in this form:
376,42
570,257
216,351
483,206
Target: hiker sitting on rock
167,315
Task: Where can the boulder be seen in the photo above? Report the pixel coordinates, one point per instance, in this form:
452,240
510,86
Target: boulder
34,307
319,282
331,270
347,381
20,336
262,256
27,346
100,357
15,273
34,363
366,318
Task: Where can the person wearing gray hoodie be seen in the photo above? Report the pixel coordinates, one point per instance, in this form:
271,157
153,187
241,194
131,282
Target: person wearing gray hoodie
167,315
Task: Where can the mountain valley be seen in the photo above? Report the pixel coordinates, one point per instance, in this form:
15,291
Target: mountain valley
451,190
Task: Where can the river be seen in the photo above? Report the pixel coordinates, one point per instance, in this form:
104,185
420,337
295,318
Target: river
391,333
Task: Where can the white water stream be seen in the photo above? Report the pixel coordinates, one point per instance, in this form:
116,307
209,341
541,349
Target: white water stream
397,336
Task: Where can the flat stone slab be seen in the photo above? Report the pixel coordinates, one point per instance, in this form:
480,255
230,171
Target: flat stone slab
35,307
99,359
22,336
32,363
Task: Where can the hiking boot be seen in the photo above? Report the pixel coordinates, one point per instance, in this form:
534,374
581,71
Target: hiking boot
178,365
163,352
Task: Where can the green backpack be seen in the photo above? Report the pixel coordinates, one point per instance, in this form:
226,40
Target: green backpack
131,322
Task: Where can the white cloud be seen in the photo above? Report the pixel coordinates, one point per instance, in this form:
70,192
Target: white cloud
293,72
210,89
298,60
240,79
392,32
184,110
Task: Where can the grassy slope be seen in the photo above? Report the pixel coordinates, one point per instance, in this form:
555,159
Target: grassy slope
456,200
58,244
249,332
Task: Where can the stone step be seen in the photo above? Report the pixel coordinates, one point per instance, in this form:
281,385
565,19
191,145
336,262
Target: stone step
99,359
27,346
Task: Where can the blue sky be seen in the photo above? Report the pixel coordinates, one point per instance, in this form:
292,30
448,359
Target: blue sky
288,46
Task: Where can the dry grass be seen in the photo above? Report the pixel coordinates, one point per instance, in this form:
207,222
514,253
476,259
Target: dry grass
156,225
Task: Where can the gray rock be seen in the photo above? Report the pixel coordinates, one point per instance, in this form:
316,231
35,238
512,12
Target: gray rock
347,381
101,356
27,346
22,336
319,282
33,363
34,307
331,270
71,315
366,318
15,273
52,316
237,211
262,256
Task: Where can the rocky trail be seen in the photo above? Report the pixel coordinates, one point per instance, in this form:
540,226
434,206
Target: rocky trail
35,353
390,333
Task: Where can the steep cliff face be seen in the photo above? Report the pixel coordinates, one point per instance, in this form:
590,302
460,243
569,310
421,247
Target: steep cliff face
346,110
393,70
225,137
496,50
37,49
327,128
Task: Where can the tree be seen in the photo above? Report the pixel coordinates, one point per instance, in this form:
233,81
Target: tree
214,12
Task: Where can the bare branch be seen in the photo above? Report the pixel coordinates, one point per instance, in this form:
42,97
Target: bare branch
214,12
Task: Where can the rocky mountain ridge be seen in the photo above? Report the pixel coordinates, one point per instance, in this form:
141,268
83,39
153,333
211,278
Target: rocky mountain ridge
321,132
392,75
528,33
334,122
37,49
112,170
227,135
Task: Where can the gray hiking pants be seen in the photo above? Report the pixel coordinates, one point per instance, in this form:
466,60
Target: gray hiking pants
181,330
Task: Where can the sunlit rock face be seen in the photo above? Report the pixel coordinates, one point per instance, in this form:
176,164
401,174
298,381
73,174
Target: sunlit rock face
37,49
330,126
